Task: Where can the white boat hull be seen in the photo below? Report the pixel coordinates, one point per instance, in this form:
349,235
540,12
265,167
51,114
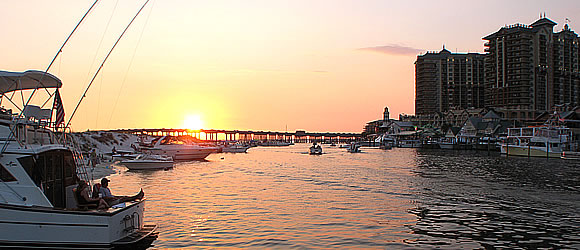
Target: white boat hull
529,151
316,151
444,145
147,165
23,226
185,153
235,149
409,144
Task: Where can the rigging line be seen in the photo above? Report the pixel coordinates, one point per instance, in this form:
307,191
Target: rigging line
15,105
103,63
130,64
46,71
102,38
62,46
22,94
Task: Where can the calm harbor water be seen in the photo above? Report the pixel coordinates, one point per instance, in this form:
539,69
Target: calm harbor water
281,197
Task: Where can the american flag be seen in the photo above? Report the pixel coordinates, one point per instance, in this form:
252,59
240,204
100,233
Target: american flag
59,118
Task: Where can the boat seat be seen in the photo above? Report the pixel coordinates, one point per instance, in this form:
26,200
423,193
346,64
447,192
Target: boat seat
83,207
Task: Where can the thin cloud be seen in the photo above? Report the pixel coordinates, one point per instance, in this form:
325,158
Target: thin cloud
393,50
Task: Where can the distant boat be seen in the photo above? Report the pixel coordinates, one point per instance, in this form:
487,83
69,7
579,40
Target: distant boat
235,148
315,149
149,162
275,144
180,150
353,148
409,144
125,156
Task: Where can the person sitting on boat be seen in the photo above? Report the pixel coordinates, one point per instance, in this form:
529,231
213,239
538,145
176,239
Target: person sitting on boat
83,197
96,190
106,194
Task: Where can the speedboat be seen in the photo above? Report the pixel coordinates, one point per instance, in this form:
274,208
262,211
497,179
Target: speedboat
149,162
235,148
126,156
315,149
275,144
39,170
353,148
179,149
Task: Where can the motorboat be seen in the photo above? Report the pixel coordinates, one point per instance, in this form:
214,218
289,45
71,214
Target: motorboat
409,144
149,162
353,148
385,141
276,143
39,170
125,156
235,148
179,149
315,149
536,141
448,143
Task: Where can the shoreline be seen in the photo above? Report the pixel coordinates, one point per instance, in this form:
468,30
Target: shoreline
102,170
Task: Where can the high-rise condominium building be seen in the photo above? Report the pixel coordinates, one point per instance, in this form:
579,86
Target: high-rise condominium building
529,69
445,80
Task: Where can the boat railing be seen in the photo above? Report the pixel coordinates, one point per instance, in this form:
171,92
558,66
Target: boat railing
552,133
78,157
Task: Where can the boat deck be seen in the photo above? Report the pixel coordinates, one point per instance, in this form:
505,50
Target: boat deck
144,237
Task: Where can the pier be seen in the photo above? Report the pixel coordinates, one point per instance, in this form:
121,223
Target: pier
214,135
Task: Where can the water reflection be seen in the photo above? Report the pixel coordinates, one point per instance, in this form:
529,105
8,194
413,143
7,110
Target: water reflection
401,198
496,202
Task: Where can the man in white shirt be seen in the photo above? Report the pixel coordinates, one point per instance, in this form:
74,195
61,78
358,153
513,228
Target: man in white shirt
106,194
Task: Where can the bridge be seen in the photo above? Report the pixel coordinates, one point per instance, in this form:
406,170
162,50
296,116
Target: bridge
299,136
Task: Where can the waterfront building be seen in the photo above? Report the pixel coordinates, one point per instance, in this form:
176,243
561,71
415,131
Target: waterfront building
445,80
566,68
529,69
378,126
453,117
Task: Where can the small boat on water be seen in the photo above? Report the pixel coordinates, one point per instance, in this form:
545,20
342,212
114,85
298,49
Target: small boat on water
315,149
235,148
124,156
353,148
275,144
409,144
179,149
149,162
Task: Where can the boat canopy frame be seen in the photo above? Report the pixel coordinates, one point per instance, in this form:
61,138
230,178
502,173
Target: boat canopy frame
30,79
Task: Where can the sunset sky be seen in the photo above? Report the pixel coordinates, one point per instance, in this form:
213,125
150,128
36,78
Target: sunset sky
262,65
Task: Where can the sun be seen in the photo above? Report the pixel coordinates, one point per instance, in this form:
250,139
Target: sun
193,122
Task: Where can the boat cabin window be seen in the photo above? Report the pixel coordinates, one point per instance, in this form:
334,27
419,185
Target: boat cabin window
6,176
537,144
52,172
